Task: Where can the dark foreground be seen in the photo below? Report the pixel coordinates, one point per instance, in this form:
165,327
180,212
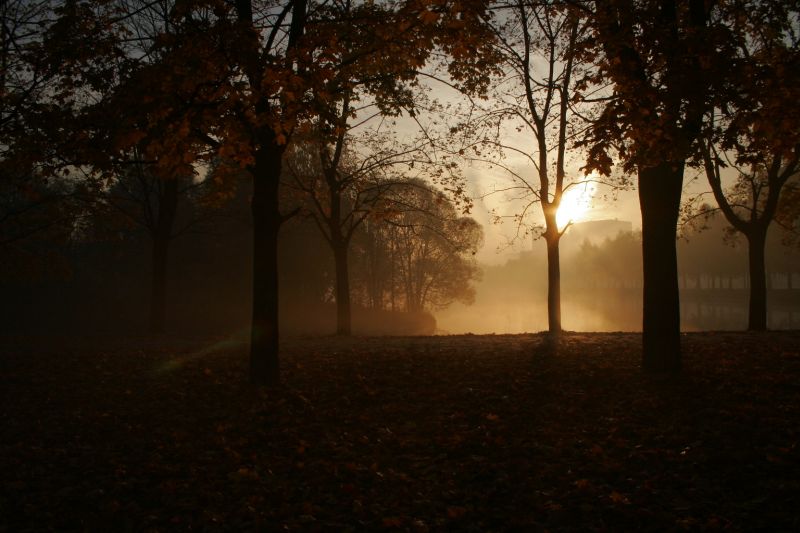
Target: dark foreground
466,433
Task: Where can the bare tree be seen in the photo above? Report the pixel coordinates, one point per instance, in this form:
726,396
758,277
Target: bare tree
530,124
750,206
420,251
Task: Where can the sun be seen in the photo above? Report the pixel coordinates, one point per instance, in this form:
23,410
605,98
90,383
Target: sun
575,204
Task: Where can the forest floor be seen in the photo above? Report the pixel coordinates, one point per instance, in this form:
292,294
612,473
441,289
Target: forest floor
456,433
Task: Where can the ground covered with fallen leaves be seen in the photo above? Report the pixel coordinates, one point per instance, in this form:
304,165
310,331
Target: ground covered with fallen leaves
456,433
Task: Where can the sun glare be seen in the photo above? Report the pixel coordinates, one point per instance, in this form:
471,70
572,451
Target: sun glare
575,204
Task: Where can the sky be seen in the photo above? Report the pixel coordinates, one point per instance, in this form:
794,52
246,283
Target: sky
504,239
601,203
501,240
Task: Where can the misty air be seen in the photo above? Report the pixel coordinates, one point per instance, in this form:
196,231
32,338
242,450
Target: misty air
400,265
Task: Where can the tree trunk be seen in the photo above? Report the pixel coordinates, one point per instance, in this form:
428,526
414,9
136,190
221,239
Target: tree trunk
343,319
264,366
158,293
756,241
553,282
391,270
659,199
167,207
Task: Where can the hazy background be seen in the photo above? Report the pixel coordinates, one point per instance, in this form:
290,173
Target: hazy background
100,284
602,285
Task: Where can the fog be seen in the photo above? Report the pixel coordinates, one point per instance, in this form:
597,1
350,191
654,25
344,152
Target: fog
100,281
602,285
101,284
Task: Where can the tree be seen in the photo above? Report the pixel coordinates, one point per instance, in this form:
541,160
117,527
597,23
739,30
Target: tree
659,55
431,249
233,80
35,216
140,162
341,175
355,178
144,189
536,45
750,205
757,134
338,192
337,198
26,202
227,80
352,161
38,105
165,208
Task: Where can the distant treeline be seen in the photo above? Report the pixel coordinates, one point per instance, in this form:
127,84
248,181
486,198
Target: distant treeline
90,268
602,284
709,257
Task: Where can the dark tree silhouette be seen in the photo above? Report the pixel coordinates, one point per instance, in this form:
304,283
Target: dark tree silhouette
750,207
38,106
658,56
757,134
536,46
165,208
430,249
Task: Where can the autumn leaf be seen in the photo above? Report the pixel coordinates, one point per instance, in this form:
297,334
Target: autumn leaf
619,498
455,512
553,506
428,17
582,483
246,473
240,457
393,521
